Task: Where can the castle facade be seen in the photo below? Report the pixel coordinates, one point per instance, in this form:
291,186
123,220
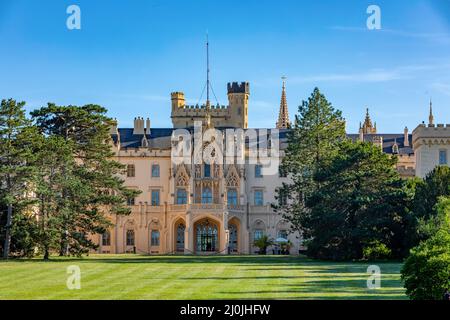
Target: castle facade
220,207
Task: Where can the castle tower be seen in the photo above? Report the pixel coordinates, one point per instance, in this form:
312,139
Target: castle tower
178,101
238,94
283,115
367,127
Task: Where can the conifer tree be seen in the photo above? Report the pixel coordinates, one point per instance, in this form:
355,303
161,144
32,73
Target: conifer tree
16,136
312,143
90,183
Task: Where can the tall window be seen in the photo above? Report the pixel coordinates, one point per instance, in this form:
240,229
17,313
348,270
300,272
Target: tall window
258,233
130,201
282,198
155,197
155,171
232,197
131,171
206,195
207,171
155,238
181,196
106,238
443,157
282,234
258,173
259,198
130,237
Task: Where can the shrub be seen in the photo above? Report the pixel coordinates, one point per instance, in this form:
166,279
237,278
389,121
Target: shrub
426,272
376,251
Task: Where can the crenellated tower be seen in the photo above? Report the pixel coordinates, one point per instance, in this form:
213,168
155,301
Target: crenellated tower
238,94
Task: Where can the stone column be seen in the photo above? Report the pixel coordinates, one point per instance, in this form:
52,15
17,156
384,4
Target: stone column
189,235
225,233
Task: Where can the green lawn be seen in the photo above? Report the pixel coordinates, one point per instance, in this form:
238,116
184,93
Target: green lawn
196,277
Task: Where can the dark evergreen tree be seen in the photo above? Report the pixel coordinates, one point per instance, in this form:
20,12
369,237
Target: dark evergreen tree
312,143
16,137
90,181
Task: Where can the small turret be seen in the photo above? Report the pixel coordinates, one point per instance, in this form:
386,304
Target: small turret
178,100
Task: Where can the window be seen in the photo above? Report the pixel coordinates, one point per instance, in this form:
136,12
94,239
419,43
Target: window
131,171
259,198
258,234
232,197
207,171
106,239
130,237
130,201
155,238
258,173
155,171
282,199
282,234
442,157
207,196
181,196
155,197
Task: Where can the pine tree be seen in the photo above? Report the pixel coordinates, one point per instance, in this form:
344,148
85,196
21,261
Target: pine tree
16,135
92,185
312,142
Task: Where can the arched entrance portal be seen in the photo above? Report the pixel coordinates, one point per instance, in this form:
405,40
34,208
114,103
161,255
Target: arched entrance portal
233,242
206,236
179,236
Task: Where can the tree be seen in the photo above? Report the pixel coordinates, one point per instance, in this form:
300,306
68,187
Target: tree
312,143
359,203
16,135
427,193
263,243
89,178
426,272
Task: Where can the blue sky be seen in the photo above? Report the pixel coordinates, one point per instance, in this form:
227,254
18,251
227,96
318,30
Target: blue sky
129,55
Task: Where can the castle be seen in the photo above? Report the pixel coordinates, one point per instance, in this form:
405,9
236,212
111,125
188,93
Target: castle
224,208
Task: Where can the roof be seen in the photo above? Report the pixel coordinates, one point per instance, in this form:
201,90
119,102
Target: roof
159,138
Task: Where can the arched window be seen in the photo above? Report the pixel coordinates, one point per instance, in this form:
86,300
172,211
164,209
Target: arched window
207,171
130,237
155,238
233,240
181,196
106,238
180,237
206,196
232,198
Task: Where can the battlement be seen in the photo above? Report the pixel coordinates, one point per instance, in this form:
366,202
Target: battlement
236,87
431,134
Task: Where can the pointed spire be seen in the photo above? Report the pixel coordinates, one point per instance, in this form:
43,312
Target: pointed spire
367,127
431,117
208,106
283,116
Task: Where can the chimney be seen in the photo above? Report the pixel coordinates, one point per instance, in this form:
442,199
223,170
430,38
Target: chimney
138,126
147,131
406,138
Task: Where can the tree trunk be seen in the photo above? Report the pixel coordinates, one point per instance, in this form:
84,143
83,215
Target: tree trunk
46,254
8,233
